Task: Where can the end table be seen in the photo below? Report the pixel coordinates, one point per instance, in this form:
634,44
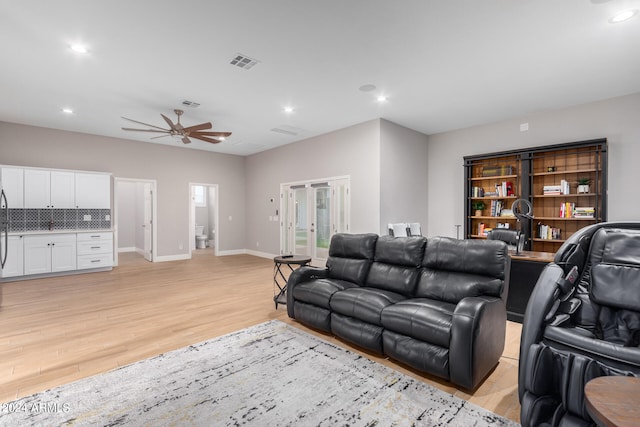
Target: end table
280,294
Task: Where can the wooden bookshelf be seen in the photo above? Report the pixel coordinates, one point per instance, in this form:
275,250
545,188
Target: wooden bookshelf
531,171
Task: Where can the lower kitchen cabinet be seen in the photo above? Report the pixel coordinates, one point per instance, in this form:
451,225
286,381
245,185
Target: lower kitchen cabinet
95,250
15,257
49,253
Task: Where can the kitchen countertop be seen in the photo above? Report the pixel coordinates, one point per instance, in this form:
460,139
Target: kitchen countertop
69,231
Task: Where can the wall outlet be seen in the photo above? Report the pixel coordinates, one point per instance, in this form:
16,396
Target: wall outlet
180,246
107,217
87,218
230,218
257,244
524,127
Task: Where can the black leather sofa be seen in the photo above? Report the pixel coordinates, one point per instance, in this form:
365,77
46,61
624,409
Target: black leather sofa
437,304
582,325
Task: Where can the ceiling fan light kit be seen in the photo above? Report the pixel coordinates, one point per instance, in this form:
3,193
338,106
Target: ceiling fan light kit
177,131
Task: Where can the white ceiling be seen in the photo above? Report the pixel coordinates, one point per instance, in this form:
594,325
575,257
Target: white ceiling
444,64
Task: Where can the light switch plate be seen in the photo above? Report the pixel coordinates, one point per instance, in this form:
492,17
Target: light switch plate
87,218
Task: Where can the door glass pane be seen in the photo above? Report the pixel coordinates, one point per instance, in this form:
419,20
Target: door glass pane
323,222
300,221
284,221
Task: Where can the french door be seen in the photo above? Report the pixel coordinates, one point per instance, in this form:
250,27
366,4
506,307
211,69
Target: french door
312,212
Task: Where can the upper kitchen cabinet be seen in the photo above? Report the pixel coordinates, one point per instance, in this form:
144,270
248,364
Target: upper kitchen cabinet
12,182
93,190
49,189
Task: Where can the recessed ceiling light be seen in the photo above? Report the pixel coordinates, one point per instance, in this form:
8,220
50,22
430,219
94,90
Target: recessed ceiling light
623,16
220,138
288,109
367,88
79,48
67,110
381,98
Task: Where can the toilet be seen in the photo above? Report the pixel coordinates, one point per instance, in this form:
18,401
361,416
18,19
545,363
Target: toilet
201,238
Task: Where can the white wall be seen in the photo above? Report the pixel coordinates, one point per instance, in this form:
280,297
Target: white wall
403,175
172,168
126,195
353,151
616,119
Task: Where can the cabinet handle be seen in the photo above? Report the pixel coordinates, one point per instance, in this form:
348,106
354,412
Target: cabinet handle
95,247
95,260
94,237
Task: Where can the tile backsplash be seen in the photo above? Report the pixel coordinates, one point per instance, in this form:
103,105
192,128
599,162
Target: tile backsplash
58,219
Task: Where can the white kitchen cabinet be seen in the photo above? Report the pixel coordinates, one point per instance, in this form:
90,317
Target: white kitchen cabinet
93,191
63,190
49,253
95,250
49,189
15,263
37,188
12,182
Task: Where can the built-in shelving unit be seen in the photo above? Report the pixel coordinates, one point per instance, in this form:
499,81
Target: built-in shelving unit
546,176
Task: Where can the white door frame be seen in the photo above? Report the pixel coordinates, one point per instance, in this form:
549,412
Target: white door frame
154,216
192,217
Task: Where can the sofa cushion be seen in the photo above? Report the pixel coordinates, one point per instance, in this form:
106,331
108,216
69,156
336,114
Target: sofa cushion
396,263
350,256
319,292
407,251
452,286
482,257
364,304
420,318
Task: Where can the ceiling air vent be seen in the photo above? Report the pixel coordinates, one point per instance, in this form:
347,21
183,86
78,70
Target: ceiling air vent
191,104
287,130
243,61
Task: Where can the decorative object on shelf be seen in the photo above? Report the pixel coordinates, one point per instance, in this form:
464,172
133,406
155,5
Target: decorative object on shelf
499,170
583,185
551,168
521,214
478,207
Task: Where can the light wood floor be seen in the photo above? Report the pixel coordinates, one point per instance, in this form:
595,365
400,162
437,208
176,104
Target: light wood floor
57,330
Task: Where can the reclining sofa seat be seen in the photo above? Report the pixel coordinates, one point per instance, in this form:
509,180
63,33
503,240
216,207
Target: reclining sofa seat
437,305
573,333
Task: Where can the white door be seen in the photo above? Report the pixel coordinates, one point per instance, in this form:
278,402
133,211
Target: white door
37,188
148,227
15,264
12,180
37,254
63,190
63,252
311,214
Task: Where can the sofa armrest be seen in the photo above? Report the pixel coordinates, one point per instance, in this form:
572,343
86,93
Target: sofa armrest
478,332
301,275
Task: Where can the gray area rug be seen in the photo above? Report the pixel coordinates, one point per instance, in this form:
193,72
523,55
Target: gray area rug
270,374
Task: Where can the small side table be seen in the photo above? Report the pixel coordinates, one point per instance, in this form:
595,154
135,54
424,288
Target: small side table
613,400
289,260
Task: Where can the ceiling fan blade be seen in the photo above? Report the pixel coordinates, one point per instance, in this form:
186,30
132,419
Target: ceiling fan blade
201,126
169,122
160,136
147,130
204,138
146,124
224,134
186,140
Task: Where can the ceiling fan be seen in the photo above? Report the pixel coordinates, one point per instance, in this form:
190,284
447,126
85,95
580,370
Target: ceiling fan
179,131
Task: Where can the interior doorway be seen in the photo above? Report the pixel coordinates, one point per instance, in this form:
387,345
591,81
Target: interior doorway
135,207
203,222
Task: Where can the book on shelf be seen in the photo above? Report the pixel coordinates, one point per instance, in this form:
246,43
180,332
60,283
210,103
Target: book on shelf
496,207
546,232
567,210
504,189
497,170
584,212
549,190
477,192
504,225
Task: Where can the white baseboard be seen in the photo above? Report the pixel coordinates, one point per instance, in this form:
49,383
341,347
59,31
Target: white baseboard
178,257
130,249
232,252
260,254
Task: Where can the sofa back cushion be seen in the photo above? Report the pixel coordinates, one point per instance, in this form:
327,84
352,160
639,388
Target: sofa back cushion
350,256
396,264
455,269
